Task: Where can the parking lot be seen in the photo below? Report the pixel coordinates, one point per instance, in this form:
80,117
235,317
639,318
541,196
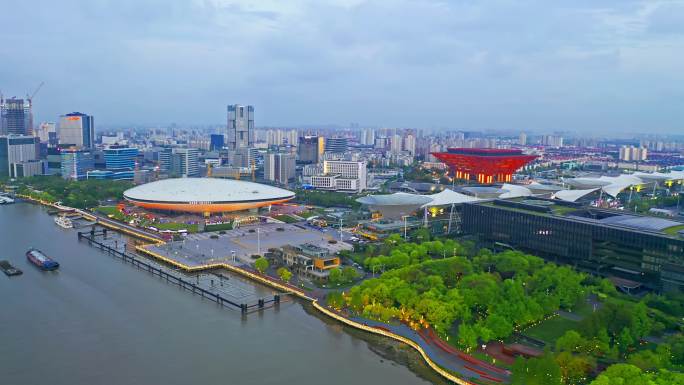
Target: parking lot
238,245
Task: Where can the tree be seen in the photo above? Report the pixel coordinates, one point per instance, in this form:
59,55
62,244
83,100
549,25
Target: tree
467,336
676,343
261,264
499,326
335,276
284,274
349,274
650,360
625,339
574,368
335,299
571,341
536,371
622,374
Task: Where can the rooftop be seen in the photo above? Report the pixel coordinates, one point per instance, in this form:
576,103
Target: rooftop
574,211
205,190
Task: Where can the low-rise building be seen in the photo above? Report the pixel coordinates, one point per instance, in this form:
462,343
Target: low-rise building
310,261
342,175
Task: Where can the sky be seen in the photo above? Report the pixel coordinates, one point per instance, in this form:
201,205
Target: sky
594,66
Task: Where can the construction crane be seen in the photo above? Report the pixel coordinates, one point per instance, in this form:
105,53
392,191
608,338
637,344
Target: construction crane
30,106
30,98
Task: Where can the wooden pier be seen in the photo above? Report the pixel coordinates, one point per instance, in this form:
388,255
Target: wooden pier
91,235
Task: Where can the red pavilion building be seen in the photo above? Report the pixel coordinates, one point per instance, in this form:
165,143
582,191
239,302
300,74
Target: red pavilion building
485,165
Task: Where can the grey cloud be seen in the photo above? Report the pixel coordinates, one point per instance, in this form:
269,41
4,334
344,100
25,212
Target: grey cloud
467,64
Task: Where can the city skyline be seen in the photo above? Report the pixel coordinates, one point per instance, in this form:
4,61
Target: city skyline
611,67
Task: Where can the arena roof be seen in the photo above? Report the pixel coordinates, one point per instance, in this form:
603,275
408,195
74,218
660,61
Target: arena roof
205,190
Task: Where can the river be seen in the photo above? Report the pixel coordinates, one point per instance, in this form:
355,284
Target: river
100,321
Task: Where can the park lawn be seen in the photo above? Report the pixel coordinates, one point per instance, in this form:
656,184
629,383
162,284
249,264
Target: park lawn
112,211
175,226
307,214
107,210
286,218
583,310
550,330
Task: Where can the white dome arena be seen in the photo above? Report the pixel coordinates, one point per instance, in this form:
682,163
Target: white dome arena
205,195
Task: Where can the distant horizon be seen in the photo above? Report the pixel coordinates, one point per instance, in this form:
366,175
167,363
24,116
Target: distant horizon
611,67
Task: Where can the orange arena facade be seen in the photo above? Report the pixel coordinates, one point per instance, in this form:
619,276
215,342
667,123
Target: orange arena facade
485,165
205,195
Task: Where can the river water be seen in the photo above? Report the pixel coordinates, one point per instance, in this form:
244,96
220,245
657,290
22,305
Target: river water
100,321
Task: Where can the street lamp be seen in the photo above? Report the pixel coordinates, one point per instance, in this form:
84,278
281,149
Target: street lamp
405,217
258,241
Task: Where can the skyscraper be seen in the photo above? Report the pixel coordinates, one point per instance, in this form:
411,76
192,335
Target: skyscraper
120,157
216,142
77,129
76,163
240,126
47,133
410,144
15,117
336,145
307,149
279,168
179,162
17,152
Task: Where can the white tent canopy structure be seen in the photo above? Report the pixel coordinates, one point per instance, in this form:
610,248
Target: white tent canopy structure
573,195
614,189
514,191
449,197
395,205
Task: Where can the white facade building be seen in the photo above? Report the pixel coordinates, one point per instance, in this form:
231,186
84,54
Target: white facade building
342,175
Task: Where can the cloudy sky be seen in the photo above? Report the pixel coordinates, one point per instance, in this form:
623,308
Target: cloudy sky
582,65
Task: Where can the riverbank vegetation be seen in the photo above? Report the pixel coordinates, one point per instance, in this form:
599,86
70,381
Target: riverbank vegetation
326,198
79,194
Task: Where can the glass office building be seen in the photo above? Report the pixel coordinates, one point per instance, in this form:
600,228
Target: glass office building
643,249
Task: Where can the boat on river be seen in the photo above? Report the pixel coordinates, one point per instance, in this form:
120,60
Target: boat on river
8,269
64,222
41,260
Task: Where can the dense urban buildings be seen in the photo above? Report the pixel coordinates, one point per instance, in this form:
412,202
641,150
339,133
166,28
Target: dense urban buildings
631,153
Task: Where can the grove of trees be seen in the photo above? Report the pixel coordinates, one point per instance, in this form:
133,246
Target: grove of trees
78,194
487,297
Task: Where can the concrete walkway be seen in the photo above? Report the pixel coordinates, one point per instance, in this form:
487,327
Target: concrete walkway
466,366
